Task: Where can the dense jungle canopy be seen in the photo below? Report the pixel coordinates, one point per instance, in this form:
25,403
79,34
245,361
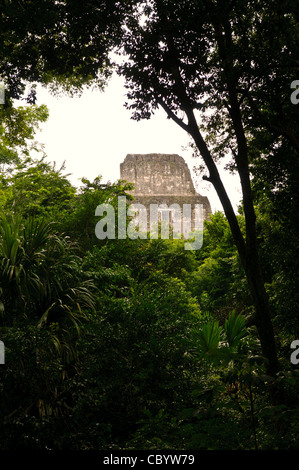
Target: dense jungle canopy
140,344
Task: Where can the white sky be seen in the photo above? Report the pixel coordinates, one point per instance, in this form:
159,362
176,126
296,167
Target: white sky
93,134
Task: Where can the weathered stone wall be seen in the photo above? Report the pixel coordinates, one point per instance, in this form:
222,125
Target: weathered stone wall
162,179
157,174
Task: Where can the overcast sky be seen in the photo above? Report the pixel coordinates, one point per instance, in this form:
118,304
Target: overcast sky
93,134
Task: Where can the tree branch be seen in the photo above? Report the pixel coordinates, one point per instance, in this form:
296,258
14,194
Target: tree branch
172,115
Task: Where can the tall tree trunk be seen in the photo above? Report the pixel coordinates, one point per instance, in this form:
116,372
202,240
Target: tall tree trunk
263,317
247,248
248,252
250,259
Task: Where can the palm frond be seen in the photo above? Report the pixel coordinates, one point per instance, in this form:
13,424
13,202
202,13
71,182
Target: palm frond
235,329
208,337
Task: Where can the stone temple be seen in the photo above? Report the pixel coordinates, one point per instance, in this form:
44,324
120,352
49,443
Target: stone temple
162,179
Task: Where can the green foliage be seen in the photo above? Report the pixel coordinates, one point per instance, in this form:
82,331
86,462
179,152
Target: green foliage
33,388
220,343
218,281
209,337
115,334
40,276
35,188
17,129
234,329
140,344
80,222
278,234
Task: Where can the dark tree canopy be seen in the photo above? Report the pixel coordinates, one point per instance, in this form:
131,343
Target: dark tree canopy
222,70
139,344
191,54
62,41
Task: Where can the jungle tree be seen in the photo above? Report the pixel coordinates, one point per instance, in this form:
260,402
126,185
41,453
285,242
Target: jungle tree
221,71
